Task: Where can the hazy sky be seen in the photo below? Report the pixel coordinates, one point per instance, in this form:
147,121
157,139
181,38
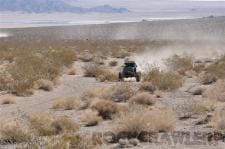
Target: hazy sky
146,5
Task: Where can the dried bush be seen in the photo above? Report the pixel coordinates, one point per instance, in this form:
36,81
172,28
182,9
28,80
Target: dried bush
71,71
163,80
216,91
218,119
5,101
90,118
200,106
180,64
138,120
120,92
113,63
99,73
147,86
13,132
217,69
45,124
105,108
143,98
67,103
45,85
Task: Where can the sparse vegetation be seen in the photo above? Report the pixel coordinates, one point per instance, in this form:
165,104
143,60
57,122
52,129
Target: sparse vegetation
45,124
180,64
219,118
217,69
7,101
216,92
137,120
163,80
67,103
113,63
90,118
105,108
121,92
147,86
143,98
13,132
99,73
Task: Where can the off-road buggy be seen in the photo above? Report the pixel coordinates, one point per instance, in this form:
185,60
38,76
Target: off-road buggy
129,70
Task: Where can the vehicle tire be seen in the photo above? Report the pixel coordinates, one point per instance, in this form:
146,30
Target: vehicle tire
120,76
138,77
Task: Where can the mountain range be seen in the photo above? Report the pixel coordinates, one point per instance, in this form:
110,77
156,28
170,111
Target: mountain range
50,6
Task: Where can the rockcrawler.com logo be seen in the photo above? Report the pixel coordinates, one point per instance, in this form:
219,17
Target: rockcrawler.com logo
177,138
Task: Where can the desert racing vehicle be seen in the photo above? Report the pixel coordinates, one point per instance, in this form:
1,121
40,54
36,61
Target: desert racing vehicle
129,70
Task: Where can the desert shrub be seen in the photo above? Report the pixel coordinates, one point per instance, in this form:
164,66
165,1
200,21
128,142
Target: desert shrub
180,64
217,69
143,98
200,106
120,54
137,120
120,92
67,103
113,63
218,119
71,71
45,85
99,73
30,66
207,78
13,132
147,86
216,91
90,117
163,80
105,108
45,124
7,101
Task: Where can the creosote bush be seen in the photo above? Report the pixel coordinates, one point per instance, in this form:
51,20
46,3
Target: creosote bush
44,124
13,132
138,120
67,103
99,72
217,69
163,80
105,108
142,98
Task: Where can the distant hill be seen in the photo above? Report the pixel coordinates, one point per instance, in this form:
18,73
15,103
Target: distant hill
49,6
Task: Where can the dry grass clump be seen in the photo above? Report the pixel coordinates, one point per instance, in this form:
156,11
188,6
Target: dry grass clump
71,71
45,124
180,64
13,132
200,106
207,78
7,101
143,98
147,86
216,91
99,72
67,103
90,118
217,69
163,80
218,118
120,92
113,63
137,120
45,85
105,108
31,65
